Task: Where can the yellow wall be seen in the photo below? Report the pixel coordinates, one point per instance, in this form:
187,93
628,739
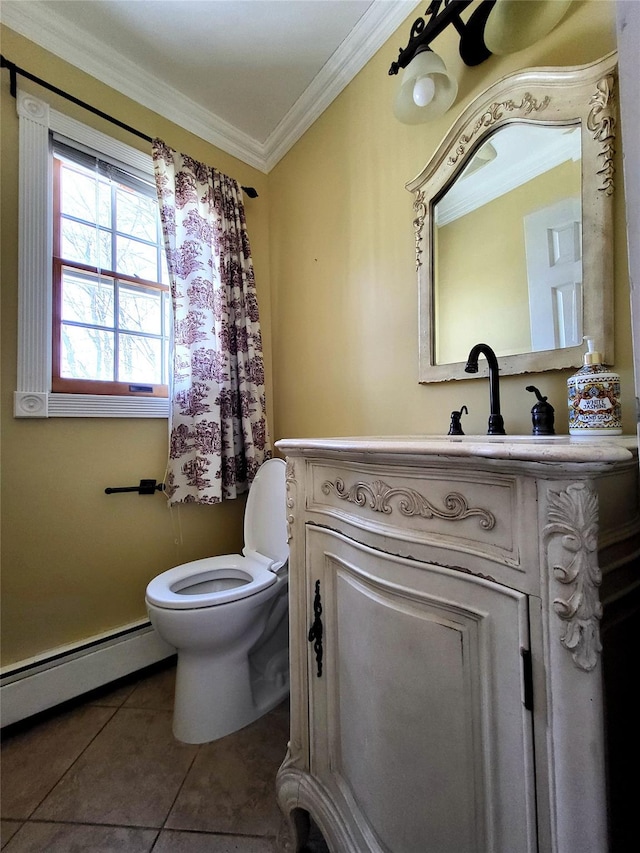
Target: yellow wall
333,248
345,332
481,268
75,561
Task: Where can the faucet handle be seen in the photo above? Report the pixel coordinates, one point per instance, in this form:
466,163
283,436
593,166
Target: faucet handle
455,427
542,414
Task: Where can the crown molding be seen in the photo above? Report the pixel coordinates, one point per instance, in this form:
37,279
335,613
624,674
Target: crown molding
378,24
40,25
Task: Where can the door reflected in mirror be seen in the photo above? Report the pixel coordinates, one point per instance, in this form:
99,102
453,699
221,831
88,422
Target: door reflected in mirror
507,240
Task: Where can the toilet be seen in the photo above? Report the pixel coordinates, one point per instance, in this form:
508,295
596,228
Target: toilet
228,619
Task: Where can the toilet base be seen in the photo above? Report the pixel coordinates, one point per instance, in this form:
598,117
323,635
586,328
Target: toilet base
214,698
272,687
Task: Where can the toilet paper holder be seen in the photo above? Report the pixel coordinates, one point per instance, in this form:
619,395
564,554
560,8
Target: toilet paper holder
146,487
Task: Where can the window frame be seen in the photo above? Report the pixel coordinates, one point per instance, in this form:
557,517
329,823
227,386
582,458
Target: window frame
34,396
111,387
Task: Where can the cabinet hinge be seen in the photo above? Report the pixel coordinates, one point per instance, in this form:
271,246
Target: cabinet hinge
527,679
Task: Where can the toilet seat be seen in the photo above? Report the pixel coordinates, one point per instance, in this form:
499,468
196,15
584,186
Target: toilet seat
171,588
266,551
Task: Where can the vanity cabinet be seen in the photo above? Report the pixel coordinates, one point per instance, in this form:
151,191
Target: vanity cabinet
419,713
445,610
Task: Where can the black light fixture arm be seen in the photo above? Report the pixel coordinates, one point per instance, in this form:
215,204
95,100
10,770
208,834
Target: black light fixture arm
472,48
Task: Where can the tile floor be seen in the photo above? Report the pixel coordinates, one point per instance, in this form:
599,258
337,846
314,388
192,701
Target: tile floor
107,775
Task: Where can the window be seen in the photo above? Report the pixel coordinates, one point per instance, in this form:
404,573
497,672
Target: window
110,285
93,325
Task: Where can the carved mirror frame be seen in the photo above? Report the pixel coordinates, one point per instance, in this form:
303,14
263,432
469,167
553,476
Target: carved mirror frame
580,95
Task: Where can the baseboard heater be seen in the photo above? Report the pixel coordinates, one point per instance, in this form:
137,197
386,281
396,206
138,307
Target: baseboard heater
40,683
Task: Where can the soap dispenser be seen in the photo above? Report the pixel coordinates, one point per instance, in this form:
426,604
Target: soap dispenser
594,397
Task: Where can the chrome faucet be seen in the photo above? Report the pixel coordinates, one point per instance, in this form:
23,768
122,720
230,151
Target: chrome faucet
496,422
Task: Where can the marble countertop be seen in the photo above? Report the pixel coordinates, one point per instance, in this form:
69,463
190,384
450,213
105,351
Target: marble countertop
555,448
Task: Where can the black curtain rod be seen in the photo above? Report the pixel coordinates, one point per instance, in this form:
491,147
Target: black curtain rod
14,70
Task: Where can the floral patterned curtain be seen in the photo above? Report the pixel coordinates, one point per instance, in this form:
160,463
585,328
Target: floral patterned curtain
218,428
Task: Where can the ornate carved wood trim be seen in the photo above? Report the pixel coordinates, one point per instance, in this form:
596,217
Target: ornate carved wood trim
293,827
494,113
601,122
378,496
290,482
420,207
573,516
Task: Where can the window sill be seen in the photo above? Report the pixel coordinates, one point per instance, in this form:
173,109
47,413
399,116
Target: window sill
31,404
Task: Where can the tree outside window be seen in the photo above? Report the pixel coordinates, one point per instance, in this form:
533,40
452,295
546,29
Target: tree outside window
111,318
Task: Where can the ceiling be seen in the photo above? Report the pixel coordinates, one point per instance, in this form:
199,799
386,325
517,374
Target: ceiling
249,76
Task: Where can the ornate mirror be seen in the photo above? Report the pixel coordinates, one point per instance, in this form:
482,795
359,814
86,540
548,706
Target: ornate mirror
514,225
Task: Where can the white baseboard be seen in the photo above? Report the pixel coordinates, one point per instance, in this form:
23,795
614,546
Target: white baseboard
36,685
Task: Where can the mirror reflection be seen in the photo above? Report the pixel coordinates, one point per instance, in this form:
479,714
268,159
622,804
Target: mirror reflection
507,246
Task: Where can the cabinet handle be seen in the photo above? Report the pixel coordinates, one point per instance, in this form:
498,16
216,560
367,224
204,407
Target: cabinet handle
527,672
315,632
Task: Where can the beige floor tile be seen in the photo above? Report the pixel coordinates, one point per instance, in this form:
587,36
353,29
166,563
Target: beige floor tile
78,838
154,692
205,842
231,785
34,760
8,828
129,776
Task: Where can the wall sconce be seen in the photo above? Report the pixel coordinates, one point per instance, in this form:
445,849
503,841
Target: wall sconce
427,90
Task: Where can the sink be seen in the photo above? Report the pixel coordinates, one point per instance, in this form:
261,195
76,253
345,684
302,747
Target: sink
487,439
534,439
526,448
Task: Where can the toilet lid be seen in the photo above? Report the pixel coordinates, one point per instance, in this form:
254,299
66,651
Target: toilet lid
265,517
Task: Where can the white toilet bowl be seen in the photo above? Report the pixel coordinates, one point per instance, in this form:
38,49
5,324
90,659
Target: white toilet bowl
227,617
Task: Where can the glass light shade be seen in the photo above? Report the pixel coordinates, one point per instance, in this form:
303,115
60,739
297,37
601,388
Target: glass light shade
425,64
481,158
514,24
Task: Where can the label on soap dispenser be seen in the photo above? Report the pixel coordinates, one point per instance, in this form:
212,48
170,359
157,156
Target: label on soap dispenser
594,402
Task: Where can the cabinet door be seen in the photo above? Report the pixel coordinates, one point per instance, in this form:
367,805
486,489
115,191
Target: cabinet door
419,734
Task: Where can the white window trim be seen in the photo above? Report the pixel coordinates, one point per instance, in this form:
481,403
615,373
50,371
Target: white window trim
33,397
